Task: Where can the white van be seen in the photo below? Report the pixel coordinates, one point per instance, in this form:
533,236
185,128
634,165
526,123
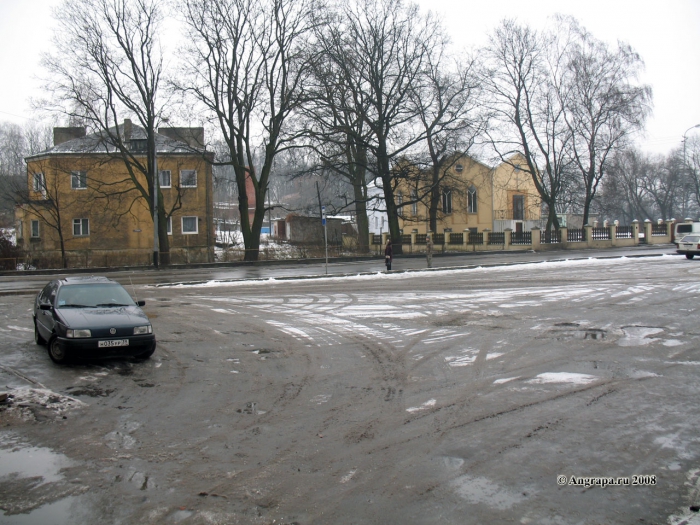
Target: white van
684,228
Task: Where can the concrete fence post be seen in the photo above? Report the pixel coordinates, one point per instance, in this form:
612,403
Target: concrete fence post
589,234
613,234
635,232
385,237
536,238
465,240
564,235
647,231
486,236
507,238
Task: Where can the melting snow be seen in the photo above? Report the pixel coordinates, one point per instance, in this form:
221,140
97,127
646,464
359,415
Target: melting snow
505,380
424,406
638,335
563,377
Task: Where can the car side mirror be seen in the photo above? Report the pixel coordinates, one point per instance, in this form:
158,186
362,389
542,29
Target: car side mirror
45,306
141,303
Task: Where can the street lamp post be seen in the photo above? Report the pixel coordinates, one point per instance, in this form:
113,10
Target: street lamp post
685,138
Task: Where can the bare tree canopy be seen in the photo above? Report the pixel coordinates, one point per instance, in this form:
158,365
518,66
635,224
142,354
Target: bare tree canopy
107,65
602,105
521,80
246,65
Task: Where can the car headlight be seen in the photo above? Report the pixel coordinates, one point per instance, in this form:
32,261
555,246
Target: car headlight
141,330
78,333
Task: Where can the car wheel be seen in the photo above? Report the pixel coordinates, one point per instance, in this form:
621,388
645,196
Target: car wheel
57,354
147,354
37,336
689,255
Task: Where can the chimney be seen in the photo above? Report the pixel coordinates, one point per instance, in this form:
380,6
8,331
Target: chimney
193,137
127,130
61,135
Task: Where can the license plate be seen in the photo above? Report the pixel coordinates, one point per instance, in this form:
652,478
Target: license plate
113,342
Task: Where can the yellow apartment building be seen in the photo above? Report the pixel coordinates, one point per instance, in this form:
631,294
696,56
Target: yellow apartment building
82,203
475,197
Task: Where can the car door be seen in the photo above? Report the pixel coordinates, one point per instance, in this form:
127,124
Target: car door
44,318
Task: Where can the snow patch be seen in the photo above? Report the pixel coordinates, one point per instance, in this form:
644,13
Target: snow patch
563,377
505,380
424,406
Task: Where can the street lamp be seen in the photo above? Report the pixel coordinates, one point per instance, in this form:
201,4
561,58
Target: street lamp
684,137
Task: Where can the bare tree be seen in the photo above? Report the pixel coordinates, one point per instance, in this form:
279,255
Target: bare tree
522,79
379,49
107,64
448,105
246,65
691,161
602,105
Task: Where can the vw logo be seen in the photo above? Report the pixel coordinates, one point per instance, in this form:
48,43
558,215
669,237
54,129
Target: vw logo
112,331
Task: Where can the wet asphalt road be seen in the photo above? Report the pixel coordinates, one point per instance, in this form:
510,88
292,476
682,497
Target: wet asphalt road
429,397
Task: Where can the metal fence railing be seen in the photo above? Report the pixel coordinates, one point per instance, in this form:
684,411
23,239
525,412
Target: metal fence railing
521,238
576,235
550,236
624,232
600,234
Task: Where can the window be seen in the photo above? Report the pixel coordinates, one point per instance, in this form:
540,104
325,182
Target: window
414,206
81,227
518,207
39,182
35,229
165,180
19,228
169,225
78,180
188,178
447,201
138,145
189,225
471,200
399,204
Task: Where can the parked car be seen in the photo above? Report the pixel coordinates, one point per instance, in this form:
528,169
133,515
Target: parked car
91,317
689,245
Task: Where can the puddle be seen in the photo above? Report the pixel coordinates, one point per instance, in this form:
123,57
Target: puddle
24,461
57,513
33,468
482,490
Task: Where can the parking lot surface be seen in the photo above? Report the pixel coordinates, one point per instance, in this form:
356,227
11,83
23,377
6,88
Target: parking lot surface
488,395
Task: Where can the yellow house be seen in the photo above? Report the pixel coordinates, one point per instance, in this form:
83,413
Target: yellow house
83,208
516,203
475,197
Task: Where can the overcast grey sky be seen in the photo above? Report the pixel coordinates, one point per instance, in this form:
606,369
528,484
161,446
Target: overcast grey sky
666,33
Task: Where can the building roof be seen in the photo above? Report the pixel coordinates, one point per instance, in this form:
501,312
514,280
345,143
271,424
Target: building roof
102,143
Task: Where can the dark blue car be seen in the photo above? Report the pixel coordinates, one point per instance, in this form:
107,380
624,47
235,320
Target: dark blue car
91,318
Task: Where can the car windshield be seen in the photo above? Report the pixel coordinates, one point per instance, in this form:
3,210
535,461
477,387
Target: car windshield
691,238
93,295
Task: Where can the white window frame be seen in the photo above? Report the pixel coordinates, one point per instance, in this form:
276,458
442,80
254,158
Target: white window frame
196,225
39,183
170,179
38,231
447,202
169,225
80,177
414,205
183,185
472,200
83,224
19,232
